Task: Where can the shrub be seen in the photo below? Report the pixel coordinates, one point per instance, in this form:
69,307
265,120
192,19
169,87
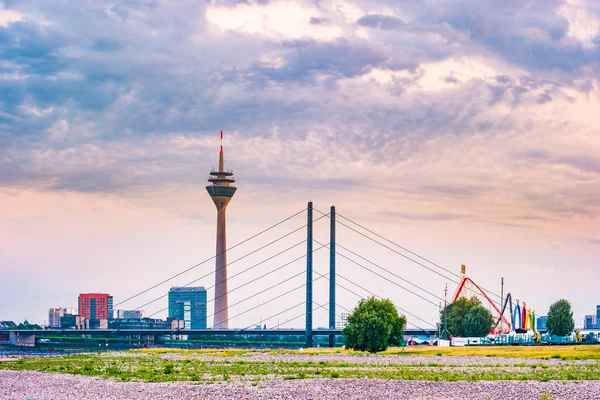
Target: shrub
373,326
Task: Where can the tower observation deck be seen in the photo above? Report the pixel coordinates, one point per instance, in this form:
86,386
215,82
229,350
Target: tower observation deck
221,191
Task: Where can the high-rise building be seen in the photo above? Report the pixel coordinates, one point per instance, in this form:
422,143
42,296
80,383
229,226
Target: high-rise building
221,191
342,321
95,306
598,317
589,322
55,314
188,304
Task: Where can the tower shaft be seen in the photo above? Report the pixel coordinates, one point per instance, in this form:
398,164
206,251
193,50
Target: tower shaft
221,191
221,314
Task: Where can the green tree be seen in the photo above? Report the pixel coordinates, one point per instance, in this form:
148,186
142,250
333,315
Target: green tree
560,318
478,322
373,326
456,314
25,325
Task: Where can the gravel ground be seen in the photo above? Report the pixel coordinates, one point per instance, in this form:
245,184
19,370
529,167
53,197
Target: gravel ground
23,385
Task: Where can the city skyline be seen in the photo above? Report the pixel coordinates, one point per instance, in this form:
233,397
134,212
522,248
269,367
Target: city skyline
468,134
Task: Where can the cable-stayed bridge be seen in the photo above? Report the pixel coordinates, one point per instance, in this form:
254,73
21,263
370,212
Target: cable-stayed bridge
295,302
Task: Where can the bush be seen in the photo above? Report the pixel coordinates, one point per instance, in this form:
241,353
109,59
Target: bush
373,326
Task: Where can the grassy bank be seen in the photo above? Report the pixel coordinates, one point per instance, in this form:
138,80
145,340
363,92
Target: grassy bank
210,366
577,352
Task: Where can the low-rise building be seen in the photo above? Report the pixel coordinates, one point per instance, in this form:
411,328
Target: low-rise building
97,324
139,323
73,321
130,314
589,322
55,314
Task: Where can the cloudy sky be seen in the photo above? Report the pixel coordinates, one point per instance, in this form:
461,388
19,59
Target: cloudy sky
465,131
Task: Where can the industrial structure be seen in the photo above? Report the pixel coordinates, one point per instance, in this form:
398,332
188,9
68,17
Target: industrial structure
522,319
221,191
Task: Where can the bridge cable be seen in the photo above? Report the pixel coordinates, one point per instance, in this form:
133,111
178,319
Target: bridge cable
251,281
397,252
379,297
262,276
212,272
263,303
284,311
413,253
396,244
213,257
362,297
384,277
408,258
389,272
238,259
245,283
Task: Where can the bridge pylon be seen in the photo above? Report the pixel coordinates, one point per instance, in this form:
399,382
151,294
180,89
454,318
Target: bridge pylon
309,275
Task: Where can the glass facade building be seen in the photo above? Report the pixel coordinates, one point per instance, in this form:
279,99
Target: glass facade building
598,317
541,323
589,322
188,304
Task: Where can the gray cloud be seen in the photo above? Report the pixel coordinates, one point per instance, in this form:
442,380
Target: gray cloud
379,21
111,80
319,21
583,162
426,217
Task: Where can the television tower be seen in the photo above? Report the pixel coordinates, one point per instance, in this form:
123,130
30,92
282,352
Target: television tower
221,191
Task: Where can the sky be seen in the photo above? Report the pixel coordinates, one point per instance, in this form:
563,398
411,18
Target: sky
467,132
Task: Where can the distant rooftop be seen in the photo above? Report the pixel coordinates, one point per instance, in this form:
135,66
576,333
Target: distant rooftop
187,289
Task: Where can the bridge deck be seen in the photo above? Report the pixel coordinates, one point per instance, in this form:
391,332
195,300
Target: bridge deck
199,332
